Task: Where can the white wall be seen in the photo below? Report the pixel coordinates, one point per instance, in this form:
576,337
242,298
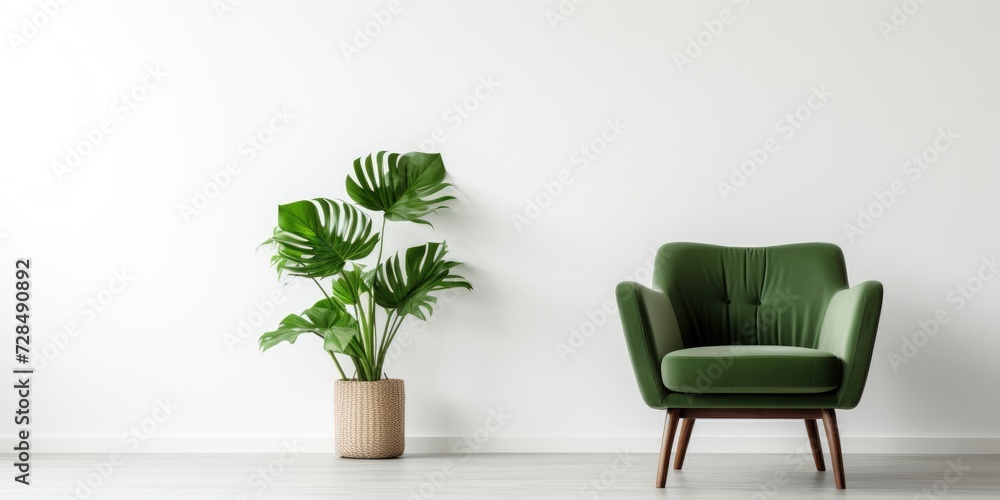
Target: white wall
192,282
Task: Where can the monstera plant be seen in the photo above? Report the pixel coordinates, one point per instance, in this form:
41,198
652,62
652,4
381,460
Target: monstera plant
324,240
331,243
363,306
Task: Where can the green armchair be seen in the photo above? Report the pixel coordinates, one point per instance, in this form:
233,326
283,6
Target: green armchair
770,332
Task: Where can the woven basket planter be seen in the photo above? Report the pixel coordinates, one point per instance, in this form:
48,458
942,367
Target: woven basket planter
369,417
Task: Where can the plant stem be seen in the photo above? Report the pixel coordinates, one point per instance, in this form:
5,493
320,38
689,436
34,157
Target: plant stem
385,331
371,353
387,341
385,335
339,369
357,368
359,314
330,300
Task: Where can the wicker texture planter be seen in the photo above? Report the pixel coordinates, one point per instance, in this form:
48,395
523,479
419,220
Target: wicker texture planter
369,418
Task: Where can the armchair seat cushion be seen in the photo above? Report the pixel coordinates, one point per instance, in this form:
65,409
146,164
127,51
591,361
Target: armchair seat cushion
750,369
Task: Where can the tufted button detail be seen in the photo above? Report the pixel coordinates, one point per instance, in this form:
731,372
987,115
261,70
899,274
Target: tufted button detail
756,303
727,301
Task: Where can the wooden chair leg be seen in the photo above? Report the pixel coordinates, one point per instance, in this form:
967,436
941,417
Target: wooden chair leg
682,444
669,429
814,443
833,440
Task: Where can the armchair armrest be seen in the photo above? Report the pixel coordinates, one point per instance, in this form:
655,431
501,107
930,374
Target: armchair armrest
651,332
848,331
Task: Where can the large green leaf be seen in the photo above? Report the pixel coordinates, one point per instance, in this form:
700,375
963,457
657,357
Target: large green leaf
401,186
316,238
405,284
328,320
352,284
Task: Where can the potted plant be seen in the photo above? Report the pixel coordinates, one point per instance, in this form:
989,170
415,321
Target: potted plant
362,308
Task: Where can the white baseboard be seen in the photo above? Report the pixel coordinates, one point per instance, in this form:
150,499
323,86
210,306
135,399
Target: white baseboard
503,444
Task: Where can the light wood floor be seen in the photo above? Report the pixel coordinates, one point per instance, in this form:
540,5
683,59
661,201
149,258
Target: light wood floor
499,476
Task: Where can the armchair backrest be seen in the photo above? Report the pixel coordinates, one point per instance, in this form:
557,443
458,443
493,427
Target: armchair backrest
753,296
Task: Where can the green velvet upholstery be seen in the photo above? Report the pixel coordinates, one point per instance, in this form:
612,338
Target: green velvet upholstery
795,296
750,369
